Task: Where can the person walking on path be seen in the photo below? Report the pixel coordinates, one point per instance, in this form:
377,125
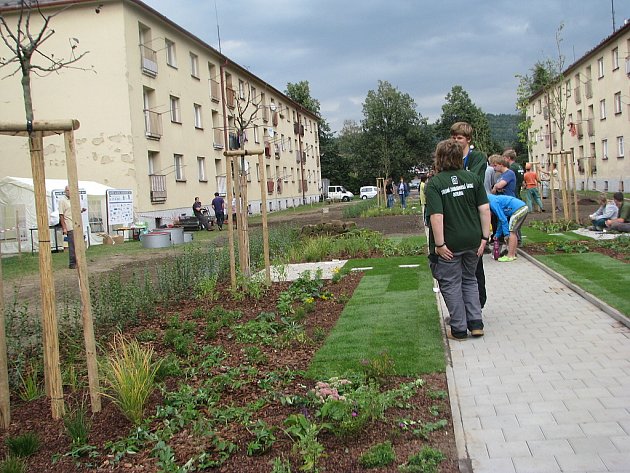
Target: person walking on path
532,196
65,219
218,205
459,219
477,163
622,222
389,192
511,213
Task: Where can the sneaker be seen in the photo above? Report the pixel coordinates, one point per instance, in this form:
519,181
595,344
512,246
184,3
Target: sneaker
459,336
506,259
504,252
477,332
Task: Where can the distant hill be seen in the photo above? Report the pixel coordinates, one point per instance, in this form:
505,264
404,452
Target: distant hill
504,128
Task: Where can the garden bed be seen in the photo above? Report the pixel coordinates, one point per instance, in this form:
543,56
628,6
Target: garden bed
234,373
617,249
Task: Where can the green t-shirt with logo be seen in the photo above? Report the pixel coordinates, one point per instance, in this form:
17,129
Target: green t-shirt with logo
457,195
520,175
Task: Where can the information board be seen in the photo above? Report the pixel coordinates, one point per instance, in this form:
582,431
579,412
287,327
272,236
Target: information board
119,206
57,194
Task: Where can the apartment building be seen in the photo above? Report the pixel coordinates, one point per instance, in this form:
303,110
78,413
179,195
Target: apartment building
149,99
595,96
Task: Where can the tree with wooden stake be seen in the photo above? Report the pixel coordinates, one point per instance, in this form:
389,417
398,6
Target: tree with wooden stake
25,38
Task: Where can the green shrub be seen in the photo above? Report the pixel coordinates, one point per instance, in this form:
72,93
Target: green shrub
30,388
379,455
130,376
427,461
77,424
13,465
23,445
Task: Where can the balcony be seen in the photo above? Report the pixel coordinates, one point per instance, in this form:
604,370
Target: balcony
270,186
148,61
152,125
230,97
580,130
215,90
158,188
590,127
589,89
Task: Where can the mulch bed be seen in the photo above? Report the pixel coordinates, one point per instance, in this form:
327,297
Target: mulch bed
544,249
341,453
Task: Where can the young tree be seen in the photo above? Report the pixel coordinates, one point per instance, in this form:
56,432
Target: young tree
460,108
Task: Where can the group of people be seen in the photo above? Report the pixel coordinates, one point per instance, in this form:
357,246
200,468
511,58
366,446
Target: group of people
218,205
611,215
464,195
402,190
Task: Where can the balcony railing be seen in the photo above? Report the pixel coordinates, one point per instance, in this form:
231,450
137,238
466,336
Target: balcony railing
215,90
148,61
158,188
152,125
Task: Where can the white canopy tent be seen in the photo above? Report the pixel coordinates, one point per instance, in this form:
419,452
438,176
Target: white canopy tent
17,211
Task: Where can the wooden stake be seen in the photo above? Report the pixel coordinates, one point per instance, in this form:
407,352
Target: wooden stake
566,209
17,232
50,334
5,405
228,207
79,246
263,197
575,197
554,218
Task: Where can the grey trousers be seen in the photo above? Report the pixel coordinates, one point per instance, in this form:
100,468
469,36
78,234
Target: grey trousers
72,258
458,285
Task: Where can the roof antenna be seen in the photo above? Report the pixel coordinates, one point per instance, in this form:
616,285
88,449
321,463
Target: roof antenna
612,7
216,14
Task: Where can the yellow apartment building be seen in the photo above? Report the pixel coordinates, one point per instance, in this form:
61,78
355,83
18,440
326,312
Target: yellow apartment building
596,99
149,99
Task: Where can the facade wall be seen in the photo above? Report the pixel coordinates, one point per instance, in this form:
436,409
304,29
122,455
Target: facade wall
596,91
131,137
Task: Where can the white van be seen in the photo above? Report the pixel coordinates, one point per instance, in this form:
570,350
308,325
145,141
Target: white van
368,192
339,193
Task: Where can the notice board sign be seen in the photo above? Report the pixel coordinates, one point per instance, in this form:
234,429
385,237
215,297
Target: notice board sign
119,206
57,194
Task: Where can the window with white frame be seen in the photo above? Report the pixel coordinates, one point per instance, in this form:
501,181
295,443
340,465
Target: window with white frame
567,85
617,103
241,89
282,143
198,117
292,175
258,172
600,67
176,116
171,56
256,136
604,149
194,65
179,167
285,177
201,169
615,59
620,148
152,162
602,109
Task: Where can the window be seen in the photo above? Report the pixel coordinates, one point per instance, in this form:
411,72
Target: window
567,85
282,143
600,67
176,116
292,176
604,149
198,119
258,172
194,65
241,89
620,149
256,137
171,57
617,103
201,168
254,99
615,59
179,167
602,109
285,177
152,162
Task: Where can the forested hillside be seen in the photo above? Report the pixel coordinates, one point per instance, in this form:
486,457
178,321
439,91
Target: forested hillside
503,128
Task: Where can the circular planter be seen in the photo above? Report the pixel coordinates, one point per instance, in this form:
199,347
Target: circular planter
156,240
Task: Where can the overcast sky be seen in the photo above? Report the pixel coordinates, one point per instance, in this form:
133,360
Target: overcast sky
423,48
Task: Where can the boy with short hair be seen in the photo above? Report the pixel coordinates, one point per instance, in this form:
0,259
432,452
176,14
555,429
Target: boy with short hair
506,184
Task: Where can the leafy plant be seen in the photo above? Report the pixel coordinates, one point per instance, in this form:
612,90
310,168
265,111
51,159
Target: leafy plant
130,376
378,455
379,367
264,438
427,461
206,288
280,465
24,445
304,434
30,388
421,429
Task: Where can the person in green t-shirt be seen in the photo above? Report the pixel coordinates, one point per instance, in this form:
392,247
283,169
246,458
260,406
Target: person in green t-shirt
517,169
622,222
477,163
459,224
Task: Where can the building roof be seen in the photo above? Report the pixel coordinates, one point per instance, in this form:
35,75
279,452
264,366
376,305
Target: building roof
12,5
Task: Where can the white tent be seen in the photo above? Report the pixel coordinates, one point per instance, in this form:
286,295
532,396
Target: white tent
17,210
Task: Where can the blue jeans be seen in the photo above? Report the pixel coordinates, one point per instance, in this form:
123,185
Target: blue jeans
403,201
532,196
390,201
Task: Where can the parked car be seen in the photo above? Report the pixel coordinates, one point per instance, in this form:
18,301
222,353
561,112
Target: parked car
368,192
339,193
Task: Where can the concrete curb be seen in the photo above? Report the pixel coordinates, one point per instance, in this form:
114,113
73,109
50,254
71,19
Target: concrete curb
601,305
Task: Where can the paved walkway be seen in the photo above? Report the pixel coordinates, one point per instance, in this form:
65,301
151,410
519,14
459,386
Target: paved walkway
547,389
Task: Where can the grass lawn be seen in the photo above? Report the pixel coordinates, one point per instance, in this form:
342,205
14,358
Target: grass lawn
602,276
393,310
